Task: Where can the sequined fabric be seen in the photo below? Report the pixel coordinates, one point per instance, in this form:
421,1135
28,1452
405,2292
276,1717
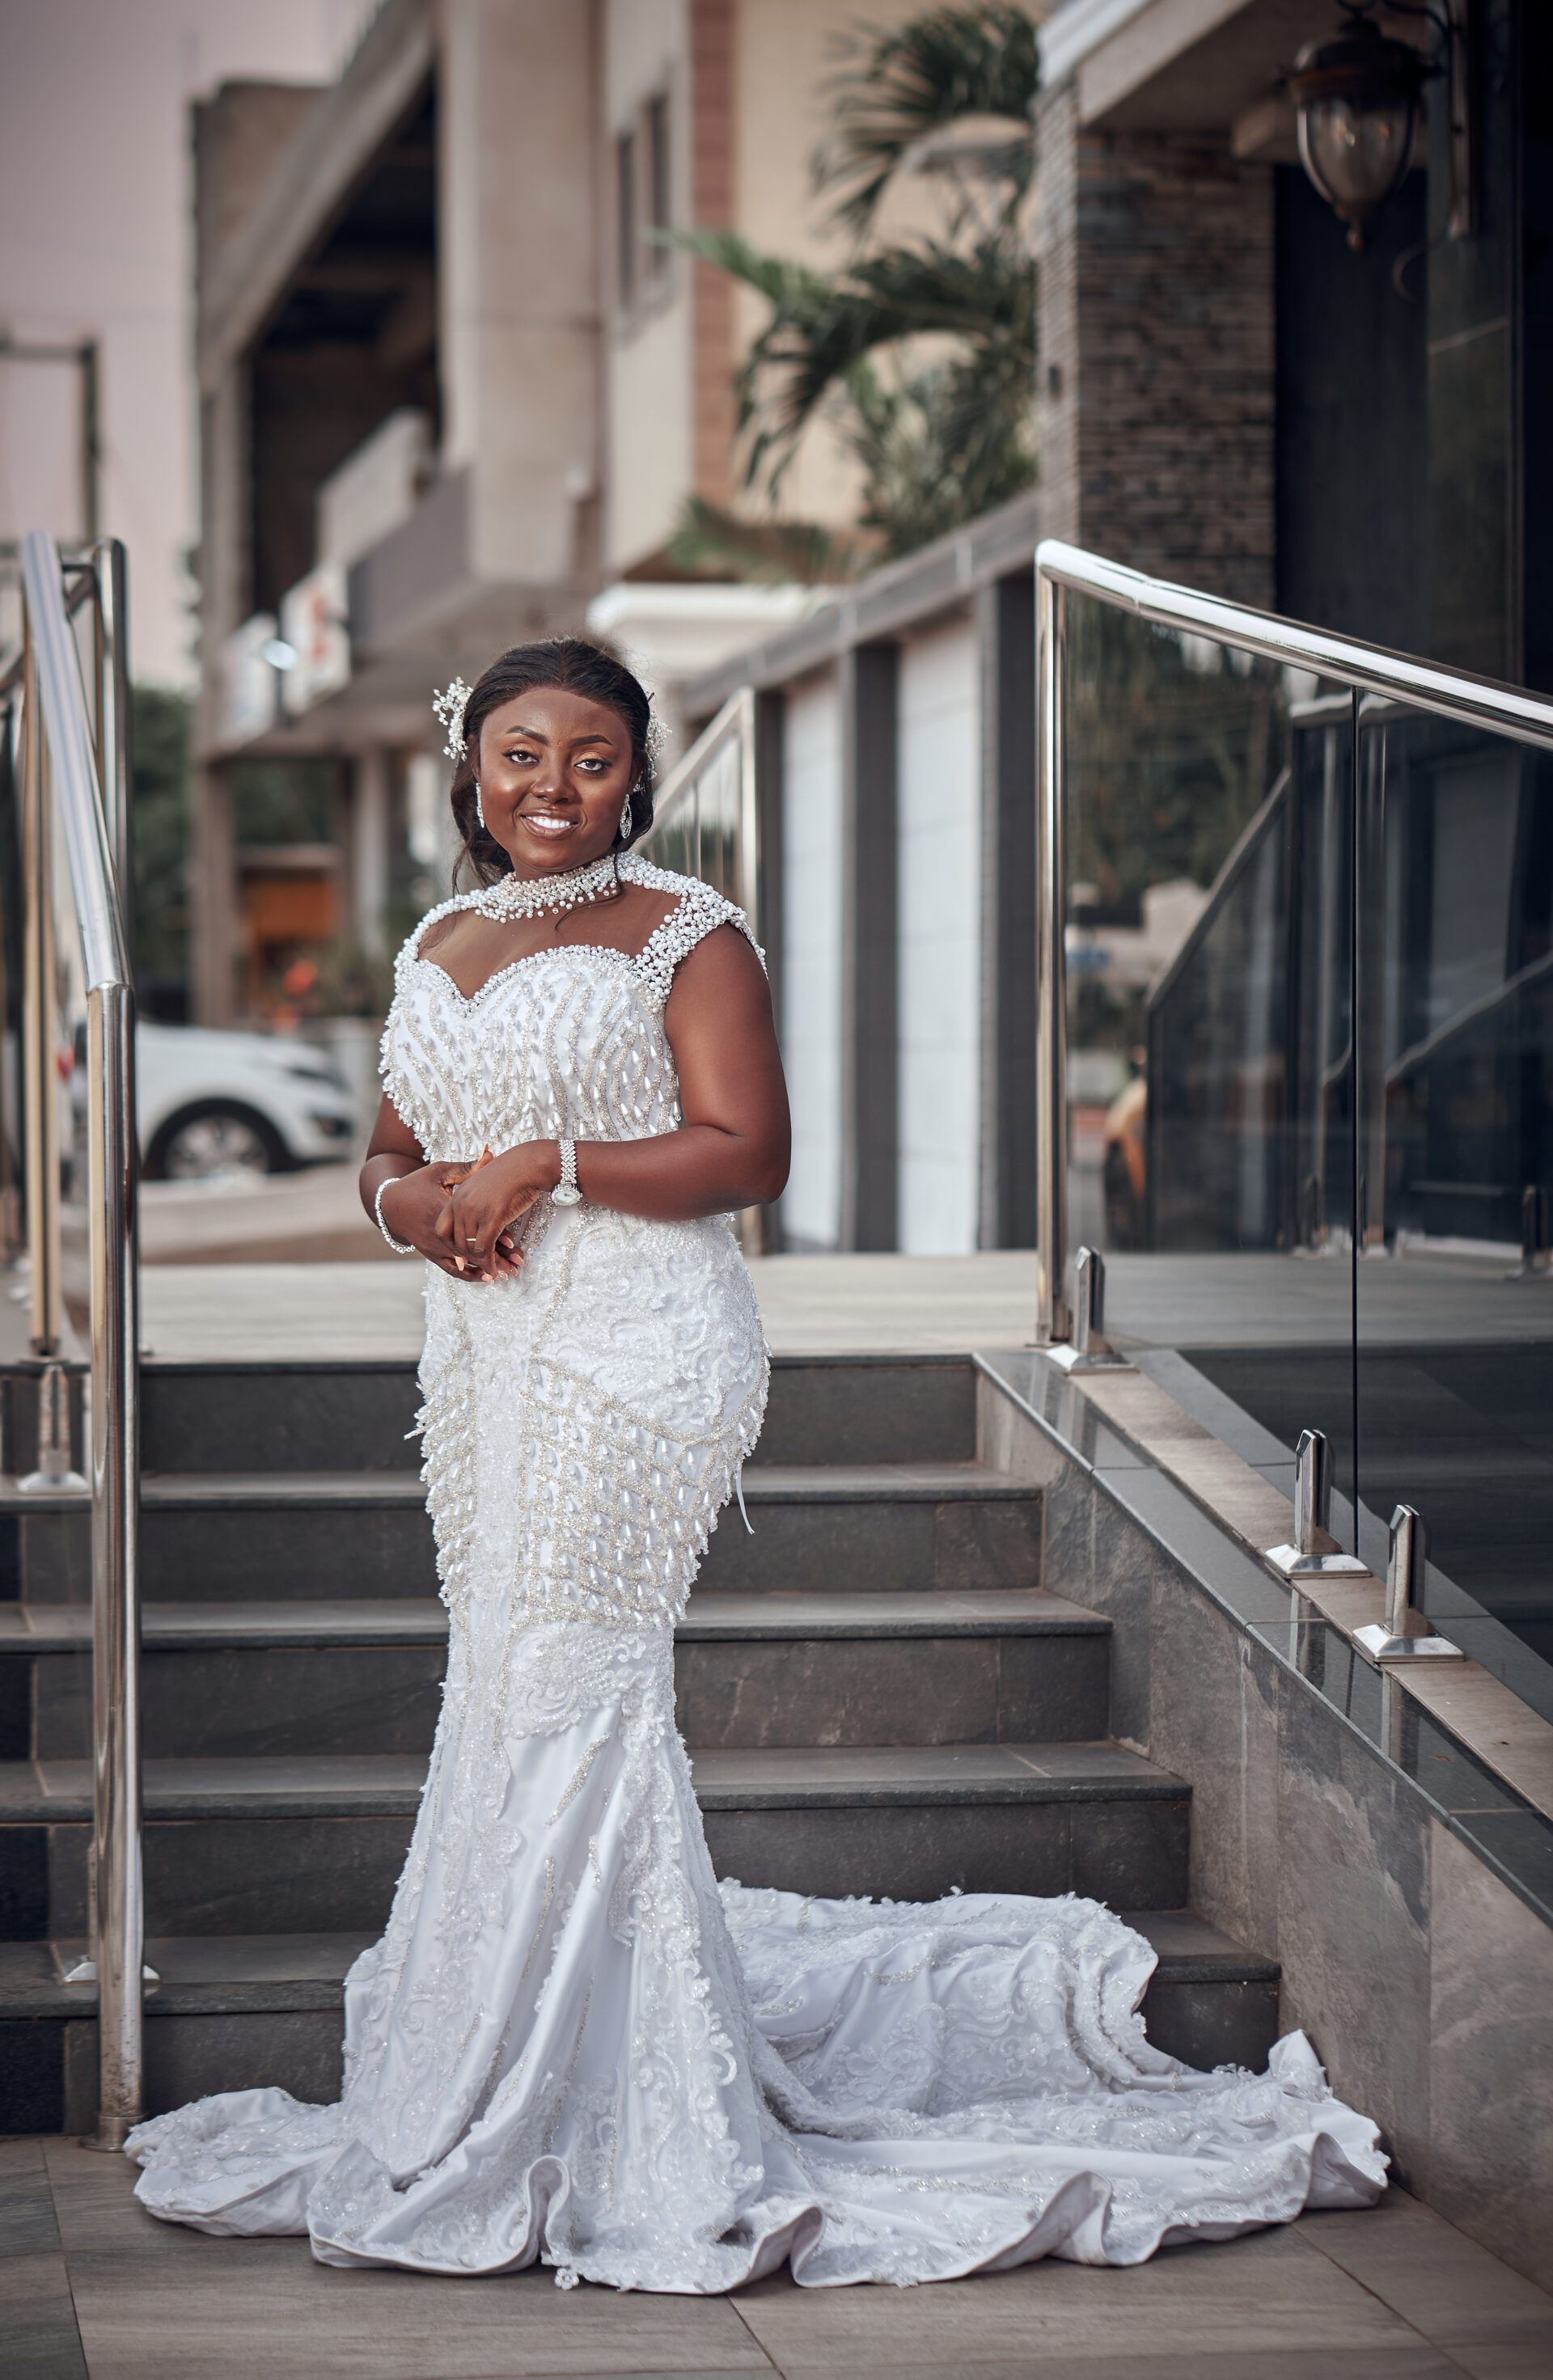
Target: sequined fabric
571,2044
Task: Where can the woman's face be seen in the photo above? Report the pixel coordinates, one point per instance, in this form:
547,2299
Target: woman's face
554,769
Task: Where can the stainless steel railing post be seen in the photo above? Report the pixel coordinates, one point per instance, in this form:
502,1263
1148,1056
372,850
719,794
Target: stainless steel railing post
40,1024
90,795
115,1610
111,657
1053,1322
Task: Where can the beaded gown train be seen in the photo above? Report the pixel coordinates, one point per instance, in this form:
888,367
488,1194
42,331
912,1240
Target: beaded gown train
572,2044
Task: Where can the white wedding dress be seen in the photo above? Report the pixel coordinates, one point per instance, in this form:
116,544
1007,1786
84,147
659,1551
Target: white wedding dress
572,2044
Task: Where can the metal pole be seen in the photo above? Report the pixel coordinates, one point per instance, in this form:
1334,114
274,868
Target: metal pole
40,1054
82,800
92,448
115,1613
1052,1320
111,654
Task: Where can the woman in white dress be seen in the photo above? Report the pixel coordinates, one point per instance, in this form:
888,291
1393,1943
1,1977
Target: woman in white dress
572,2045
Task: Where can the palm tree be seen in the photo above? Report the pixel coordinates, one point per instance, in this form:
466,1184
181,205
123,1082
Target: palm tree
949,94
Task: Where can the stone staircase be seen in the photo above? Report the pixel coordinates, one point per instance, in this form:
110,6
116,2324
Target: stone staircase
878,1695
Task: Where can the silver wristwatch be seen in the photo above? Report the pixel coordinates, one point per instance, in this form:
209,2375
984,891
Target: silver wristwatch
565,1192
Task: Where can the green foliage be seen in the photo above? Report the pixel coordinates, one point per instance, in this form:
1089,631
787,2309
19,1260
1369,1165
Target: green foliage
898,86
1172,744
160,725
941,442
722,544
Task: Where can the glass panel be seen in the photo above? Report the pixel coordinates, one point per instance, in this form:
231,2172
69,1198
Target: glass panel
1455,1323
671,842
1209,939
719,812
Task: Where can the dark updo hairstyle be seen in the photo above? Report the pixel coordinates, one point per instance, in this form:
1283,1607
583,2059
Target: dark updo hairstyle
577,667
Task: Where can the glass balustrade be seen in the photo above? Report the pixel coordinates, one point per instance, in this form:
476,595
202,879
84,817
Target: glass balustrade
1308,944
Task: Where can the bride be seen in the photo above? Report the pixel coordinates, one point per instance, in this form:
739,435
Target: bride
572,2044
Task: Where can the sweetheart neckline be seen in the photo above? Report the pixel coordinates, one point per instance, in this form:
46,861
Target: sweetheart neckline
558,950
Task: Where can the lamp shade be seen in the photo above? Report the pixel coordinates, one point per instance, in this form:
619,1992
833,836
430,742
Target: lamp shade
1356,102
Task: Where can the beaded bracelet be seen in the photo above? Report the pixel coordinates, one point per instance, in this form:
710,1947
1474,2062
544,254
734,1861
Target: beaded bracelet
400,1247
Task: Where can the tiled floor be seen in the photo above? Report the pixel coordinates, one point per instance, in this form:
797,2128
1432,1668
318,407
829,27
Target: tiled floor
875,1304
92,2289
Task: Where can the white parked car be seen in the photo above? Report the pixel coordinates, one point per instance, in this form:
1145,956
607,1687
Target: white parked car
215,1102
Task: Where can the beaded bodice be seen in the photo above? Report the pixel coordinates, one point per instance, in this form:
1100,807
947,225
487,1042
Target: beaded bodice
568,1041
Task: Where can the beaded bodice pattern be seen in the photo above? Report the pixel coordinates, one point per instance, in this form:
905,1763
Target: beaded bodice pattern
568,1040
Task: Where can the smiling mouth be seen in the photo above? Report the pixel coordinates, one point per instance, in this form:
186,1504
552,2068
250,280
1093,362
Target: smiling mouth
547,822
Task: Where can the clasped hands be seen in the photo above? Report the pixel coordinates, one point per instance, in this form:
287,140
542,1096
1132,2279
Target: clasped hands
459,1216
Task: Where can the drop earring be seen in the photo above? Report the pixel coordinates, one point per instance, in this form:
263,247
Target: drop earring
626,819
479,807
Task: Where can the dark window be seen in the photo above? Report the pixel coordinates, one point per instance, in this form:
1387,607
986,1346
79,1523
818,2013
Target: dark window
660,196
625,214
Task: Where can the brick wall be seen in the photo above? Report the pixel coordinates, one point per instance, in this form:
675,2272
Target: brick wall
1157,369
711,182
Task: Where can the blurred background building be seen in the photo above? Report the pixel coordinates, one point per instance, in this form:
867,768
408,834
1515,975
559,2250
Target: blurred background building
767,348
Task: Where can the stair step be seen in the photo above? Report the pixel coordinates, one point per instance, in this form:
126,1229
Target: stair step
298,1843
782,1669
260,1536
279,1999
276,1415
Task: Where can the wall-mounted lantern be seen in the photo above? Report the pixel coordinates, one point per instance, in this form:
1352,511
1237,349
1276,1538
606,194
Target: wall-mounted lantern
1356,97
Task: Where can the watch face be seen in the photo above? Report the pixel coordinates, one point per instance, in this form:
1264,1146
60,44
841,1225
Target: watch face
564,1195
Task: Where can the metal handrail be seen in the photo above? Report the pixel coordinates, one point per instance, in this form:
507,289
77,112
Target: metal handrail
82,781
734,723
1372,669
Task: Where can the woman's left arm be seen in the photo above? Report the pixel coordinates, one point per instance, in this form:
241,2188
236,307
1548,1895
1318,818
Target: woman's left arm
732,1149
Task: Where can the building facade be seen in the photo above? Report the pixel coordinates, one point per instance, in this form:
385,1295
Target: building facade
455,388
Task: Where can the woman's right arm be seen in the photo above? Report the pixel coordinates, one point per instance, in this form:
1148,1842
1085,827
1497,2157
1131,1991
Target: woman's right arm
415,1204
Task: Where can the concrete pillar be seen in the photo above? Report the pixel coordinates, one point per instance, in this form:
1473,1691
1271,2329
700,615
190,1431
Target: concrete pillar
517,283
1156,383
870,1056
368,848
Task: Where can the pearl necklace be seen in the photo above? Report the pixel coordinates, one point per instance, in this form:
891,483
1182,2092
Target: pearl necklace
530,896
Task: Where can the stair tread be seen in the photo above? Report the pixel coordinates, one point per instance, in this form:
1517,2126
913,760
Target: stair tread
390,1621
805,1777
763,1484
223,1974
850,1776
913,1611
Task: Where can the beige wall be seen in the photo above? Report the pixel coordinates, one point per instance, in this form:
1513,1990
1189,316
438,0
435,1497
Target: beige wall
782,55
649,368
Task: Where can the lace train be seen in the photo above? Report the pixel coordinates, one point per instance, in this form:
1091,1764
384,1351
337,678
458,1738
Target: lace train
572,2045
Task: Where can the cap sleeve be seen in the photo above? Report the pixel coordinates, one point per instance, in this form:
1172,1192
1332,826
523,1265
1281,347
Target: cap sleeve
698,912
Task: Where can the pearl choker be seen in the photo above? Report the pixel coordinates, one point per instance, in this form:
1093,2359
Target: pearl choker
529,896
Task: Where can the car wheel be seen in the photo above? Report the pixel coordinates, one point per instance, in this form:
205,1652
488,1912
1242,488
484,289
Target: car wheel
203,1142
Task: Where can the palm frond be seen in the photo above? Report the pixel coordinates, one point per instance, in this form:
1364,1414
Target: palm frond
898,85
761,553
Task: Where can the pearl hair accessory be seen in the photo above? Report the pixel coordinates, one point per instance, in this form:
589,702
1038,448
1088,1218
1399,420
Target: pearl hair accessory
450,707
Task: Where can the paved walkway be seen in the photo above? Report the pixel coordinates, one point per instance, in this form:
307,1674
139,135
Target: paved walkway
884,1304
92,2289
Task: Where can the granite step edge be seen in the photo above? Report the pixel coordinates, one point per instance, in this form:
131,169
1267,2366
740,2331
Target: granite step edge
1188,1950
389,1785
736,1616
